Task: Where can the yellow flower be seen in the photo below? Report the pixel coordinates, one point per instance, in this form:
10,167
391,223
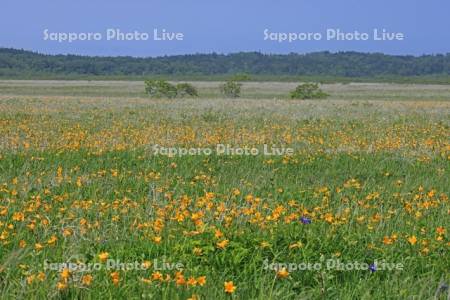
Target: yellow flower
229,287
157,239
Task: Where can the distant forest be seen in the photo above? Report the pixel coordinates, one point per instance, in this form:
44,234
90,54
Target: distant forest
19,64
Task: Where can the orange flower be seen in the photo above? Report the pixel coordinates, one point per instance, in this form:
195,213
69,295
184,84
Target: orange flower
412,240
147,264
218,234
191,281
65,274
180,280
157,276
103,256
197,251
223,244
22,244
18,216
283,273
52,240
296,245
229,287
61,285
329,218
41,276
115,277
30,279
264,244
440,230
201,280
86,279
387,240
67,232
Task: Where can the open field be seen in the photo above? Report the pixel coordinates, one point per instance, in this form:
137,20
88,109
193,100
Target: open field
361,207
252,90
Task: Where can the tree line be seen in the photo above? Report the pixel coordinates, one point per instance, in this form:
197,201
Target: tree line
15,63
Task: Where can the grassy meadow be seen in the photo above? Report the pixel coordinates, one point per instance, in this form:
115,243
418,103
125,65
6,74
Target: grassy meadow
359,211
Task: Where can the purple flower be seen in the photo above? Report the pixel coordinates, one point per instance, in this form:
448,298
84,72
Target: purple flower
373,267
305,220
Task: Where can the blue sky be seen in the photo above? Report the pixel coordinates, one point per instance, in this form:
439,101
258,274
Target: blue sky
225,26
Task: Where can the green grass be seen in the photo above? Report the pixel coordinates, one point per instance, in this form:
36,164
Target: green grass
425,79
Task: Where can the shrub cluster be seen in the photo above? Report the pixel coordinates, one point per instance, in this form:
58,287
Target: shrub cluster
186,90
308,91
231,89
164,89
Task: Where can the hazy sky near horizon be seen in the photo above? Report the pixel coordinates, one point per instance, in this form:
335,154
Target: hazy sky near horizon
225,26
